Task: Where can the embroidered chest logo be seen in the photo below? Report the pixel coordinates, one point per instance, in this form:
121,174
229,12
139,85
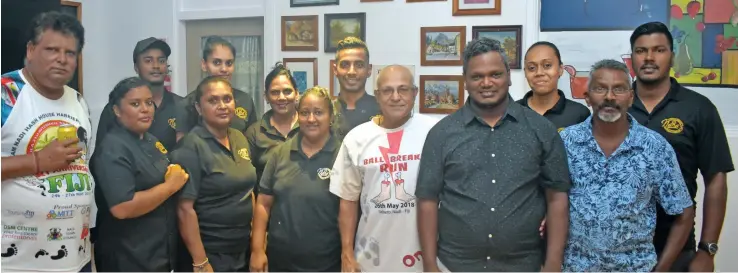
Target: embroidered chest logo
161,147
377,119
172,123
241,113
324,173
244,153
673,125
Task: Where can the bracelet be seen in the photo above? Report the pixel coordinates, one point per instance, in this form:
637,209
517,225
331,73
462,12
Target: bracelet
36,167
201,265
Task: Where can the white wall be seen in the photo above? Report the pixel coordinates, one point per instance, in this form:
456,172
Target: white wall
393,33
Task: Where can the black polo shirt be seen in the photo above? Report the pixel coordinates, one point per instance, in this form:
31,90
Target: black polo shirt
564,113
165,120
692,125
122,165
303,226
490,185
366,108
245,114
263,138
220,183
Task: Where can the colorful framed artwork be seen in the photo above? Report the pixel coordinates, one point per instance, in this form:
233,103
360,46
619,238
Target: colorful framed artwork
442,46
510,37
441,94
300,33
705,42
378,68
310,3
477,7
341,25
334,86
304,71
578,15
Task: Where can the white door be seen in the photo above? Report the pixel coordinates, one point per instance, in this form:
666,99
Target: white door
246,35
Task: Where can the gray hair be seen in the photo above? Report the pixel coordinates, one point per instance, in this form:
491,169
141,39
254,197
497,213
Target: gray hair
609,64
481,46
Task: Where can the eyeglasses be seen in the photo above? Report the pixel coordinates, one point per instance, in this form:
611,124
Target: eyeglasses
402,91
617,91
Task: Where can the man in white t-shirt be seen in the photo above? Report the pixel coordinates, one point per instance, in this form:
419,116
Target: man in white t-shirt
47,189
376,169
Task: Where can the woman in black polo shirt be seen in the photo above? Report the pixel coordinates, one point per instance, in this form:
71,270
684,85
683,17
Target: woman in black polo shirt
279,123
543,68
219,59
215,206
137,220
294,197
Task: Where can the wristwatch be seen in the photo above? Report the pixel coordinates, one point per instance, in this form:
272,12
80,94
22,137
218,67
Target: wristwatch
710,248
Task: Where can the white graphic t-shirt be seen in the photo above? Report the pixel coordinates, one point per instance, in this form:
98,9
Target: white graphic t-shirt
46,216
379,168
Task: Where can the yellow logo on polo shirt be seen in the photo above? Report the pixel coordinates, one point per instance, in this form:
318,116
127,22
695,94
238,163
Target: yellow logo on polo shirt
673,125
561,129
172,123
161,147
244,153
241,113
324,173
377,119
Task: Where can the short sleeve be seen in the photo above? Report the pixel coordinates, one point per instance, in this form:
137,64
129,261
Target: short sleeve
713,152
184,124
346,179
268,179
555,166
190,162
671,190
432,166
115,173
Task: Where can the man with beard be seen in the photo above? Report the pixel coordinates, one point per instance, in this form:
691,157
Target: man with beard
620,170
692,125
352,69
490,173
150,62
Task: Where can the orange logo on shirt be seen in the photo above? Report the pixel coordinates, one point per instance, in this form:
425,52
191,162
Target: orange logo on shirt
673,125
241,113
244,153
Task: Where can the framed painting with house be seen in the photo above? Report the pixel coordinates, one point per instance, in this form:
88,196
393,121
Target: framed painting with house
300,33
442,46
441,94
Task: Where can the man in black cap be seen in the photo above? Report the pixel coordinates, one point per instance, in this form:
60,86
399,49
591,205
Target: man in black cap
150,62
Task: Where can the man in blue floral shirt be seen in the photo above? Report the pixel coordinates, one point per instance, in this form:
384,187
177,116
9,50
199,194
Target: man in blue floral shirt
620,170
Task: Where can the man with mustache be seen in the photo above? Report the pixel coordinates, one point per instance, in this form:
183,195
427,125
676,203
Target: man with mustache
620,170
692,125
490,173
150,60
352,69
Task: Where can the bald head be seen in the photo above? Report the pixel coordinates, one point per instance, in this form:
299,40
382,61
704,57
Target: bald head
395,73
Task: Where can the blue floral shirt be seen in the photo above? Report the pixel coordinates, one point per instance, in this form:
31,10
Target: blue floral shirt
612,202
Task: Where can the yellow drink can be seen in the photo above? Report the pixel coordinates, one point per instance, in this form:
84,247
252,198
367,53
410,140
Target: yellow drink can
66,132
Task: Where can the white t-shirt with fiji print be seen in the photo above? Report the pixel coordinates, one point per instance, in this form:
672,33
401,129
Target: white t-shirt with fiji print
378,167
45,216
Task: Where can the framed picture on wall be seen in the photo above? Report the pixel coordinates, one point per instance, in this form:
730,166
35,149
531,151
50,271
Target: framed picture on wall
341,25
334,86
477,7
510,37
304,71
418,1
441,94
310,3
74,9
442,46
300,33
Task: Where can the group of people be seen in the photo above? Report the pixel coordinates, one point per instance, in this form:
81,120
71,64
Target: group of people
359,182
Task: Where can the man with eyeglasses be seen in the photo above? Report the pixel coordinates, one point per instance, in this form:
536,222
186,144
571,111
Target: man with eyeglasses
376,169
620,170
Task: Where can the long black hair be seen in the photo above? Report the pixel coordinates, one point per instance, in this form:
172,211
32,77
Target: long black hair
108,120
191,110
